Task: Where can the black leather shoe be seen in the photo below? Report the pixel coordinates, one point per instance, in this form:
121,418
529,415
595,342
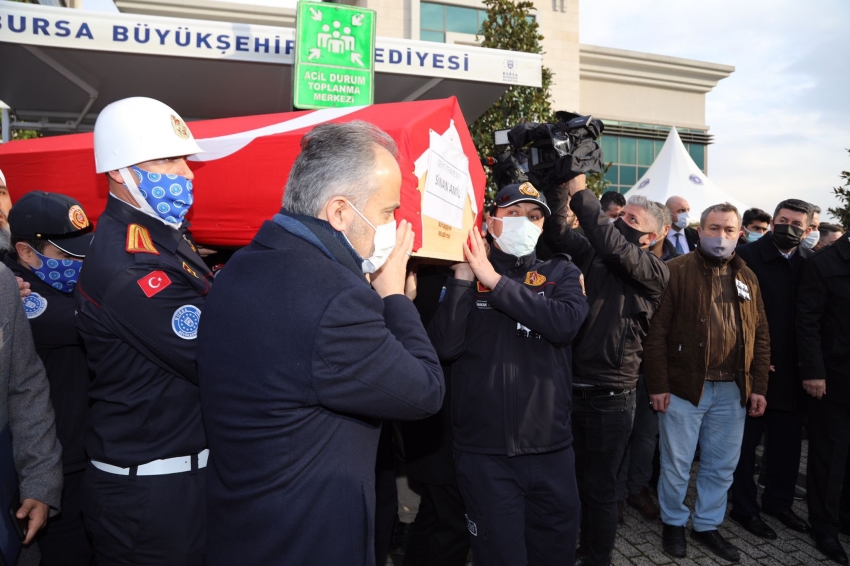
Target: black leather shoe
831,548
790,520
673,541
715,542
755,525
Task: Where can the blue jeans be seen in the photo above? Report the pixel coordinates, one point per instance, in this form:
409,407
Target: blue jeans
718,425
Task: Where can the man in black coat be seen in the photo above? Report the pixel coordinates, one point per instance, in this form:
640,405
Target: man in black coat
300,359
625,283
51,236
777,260
823,342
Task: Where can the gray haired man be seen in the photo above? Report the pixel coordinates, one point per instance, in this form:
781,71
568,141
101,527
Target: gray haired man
300,357
26,411
624,283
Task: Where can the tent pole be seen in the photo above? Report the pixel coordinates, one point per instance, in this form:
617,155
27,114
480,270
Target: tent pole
7,127
65,72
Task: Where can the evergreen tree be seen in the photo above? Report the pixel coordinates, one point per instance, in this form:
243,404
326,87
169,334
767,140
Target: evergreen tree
509,25
842,213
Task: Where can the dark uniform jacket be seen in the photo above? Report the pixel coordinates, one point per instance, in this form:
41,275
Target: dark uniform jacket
624,287
778,281
139,301
677,350
51,317
293,392
511,376
823,319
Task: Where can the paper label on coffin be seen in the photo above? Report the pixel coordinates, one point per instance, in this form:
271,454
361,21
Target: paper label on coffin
447,211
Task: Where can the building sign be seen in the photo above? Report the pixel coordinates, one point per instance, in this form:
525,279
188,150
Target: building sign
334,56
32,24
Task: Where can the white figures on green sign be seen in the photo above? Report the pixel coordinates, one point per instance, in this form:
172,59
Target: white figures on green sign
334,41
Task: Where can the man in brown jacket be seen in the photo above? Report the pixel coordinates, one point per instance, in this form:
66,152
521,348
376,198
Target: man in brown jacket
707,354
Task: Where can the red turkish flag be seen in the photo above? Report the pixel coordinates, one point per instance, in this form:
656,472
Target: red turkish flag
154,282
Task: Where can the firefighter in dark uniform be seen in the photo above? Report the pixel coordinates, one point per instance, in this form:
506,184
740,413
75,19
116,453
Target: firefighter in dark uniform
507,322
51,235
139,302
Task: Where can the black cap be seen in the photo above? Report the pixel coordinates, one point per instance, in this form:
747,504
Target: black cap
524,192
56,218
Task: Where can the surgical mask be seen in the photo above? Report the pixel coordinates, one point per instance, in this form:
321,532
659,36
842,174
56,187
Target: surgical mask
786,236
384,244
519,235
632,235
752,236
61,274
165,197
717,247
681,221
811,240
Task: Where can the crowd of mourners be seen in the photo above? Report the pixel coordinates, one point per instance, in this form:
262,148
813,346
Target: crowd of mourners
584,355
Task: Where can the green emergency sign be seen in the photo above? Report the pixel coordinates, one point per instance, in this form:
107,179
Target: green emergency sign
334,56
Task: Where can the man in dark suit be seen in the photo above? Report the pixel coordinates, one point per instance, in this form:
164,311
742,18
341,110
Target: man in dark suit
300,359
823,342
777,259
683,238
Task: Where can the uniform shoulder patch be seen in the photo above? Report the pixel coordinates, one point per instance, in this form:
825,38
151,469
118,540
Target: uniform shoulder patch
139,240
534,279
482,288
190,271
34,305
185,322
154,282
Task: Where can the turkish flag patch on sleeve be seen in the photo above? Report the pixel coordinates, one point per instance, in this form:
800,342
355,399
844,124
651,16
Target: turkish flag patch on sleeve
154,282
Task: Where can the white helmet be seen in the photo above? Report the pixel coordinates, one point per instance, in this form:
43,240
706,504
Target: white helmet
138,129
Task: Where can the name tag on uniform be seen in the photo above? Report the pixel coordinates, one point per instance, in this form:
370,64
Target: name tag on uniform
483,304
743,290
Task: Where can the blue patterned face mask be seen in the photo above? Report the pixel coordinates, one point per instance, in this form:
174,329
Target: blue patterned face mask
61,274
169,196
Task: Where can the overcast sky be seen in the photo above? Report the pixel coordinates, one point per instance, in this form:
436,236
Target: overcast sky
782,120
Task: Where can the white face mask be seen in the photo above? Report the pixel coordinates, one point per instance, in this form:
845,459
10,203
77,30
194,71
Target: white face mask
681,221
384,244
519,235
811,240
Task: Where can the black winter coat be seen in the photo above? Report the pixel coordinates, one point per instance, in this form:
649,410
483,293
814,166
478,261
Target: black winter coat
511,377
823,319
299,359
624,288
778,281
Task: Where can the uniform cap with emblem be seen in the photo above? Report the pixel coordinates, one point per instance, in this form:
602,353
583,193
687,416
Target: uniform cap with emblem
139,129
54,217
523,192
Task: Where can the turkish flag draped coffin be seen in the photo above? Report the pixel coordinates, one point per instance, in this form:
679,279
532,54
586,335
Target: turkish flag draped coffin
240,179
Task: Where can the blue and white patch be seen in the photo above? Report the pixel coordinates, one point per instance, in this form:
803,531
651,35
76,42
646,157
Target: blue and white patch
34,305
185,322
442,294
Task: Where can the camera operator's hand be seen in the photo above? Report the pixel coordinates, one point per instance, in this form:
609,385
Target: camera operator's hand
463,271
576,184
475,251
390,279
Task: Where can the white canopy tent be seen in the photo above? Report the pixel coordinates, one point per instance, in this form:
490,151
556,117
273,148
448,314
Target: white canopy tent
674,173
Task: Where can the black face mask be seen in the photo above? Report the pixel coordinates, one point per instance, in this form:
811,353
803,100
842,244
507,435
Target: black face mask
787,237
632,235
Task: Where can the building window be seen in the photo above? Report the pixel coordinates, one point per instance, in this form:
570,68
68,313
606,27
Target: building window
631,156
437,19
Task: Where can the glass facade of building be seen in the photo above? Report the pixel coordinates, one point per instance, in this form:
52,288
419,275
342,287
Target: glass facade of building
631,156
437,19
